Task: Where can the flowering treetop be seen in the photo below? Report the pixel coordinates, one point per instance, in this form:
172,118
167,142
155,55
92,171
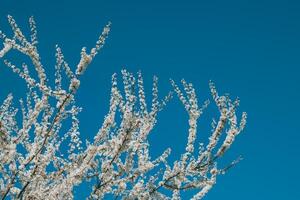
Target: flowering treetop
117,161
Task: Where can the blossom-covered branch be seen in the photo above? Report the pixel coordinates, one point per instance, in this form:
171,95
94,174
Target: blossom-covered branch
35,162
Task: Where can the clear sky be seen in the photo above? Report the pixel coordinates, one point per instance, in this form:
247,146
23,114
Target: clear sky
250,49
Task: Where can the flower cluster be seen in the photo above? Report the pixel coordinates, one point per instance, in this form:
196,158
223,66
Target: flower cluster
40,160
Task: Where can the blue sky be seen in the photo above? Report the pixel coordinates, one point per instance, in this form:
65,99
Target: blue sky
248,48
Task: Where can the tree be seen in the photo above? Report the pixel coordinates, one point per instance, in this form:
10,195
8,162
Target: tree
117,161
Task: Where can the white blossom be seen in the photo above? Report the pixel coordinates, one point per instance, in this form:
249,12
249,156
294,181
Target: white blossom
42,158
6,48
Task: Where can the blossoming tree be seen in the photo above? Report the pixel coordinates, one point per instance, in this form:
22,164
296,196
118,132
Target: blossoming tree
117,161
